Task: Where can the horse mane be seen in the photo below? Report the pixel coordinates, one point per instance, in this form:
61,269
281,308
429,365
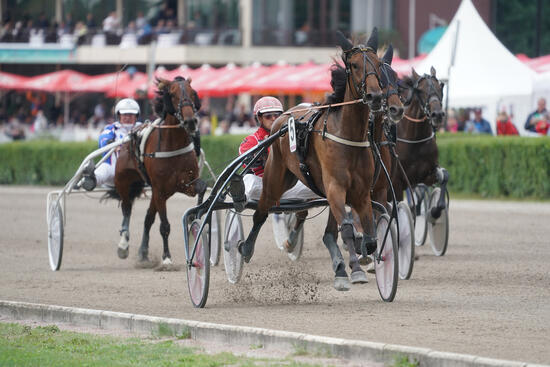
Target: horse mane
338,84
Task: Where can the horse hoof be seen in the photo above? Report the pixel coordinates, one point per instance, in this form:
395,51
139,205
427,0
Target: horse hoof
342,284
359,277
364,260
167,261
122,252
288,246
371,269
245,253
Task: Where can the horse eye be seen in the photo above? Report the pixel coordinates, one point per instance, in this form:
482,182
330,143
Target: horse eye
354,66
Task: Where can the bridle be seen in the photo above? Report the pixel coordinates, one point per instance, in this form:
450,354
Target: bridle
432,95
388,80
184,101
360,87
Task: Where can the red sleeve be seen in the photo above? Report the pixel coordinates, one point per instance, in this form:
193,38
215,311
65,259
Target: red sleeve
248,143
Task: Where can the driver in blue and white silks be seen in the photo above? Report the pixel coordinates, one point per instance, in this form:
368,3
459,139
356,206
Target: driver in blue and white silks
126,111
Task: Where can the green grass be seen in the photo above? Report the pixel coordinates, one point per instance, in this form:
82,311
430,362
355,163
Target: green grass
403,361
48,346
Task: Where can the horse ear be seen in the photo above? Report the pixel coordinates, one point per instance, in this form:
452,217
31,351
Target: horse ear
343,42
415,74
388,56
432,71
373,40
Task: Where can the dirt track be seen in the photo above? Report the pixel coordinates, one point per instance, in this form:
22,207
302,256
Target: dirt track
488,296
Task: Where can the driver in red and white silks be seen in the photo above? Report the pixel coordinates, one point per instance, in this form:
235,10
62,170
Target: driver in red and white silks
266,111
126,111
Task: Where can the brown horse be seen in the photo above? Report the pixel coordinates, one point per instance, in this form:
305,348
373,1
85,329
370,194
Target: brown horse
339,164
168,162
416,141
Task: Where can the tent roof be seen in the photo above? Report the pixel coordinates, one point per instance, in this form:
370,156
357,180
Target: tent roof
483,68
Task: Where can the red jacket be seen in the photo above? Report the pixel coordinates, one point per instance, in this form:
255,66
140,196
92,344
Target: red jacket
250,142
506,128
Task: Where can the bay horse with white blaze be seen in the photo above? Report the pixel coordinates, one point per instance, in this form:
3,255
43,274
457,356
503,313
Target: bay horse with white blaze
339,164
166,160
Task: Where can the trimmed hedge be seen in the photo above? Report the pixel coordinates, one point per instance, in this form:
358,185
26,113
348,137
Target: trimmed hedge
512,167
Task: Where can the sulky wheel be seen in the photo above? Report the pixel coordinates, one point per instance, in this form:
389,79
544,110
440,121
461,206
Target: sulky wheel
406,240
439,228
421,199
386,263
282,226
232,258
198,272
55,235
215,238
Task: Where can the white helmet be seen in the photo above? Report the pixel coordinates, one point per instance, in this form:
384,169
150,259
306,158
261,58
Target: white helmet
127,105
267,104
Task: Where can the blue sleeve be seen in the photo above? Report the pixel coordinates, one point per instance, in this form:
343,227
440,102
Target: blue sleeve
107,136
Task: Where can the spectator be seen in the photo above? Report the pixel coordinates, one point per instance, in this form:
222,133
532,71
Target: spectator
90,22
42,22
301,36
542,125
80,32
505,126
40,122
452,122
478,125
140,20
536,116
15,130
111,24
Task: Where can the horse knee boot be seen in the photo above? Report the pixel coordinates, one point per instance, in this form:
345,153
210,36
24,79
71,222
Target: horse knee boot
236,190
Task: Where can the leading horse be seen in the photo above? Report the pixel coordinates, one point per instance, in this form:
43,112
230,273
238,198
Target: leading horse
339,164
167,160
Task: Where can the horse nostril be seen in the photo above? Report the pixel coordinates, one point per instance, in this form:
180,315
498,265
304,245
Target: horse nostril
396,111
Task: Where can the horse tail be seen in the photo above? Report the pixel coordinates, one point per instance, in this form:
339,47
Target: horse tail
135,190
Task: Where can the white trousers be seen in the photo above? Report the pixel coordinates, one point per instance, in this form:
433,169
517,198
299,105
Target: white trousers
105,172
253,189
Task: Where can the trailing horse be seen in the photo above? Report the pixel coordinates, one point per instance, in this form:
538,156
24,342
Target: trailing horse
164,155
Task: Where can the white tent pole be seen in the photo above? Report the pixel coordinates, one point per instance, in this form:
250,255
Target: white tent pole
412,21
449,72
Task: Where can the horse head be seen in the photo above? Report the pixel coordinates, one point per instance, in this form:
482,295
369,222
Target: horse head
179,99
363,70
388,80
428,92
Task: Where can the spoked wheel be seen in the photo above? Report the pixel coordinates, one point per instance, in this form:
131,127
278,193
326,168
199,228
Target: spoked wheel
421,199
386,263
439,228
406,240
198,273
232,258
282,226
55,235
215,238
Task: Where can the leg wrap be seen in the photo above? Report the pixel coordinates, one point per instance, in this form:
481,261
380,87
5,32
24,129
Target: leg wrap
236,190
442,175
335,254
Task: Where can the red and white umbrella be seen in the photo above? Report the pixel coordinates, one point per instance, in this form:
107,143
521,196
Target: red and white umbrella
58,81
12,81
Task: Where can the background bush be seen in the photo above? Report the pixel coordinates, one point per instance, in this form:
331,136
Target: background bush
512,167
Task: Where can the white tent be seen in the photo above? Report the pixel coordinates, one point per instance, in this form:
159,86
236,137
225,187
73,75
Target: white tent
483,73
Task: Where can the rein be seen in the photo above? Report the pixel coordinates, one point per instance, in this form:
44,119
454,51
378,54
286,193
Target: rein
320,107
415,120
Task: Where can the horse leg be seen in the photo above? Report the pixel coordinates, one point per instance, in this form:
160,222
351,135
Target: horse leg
292,240
336,197
276,180
442,176
143,254
341,282
124,244
164,232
